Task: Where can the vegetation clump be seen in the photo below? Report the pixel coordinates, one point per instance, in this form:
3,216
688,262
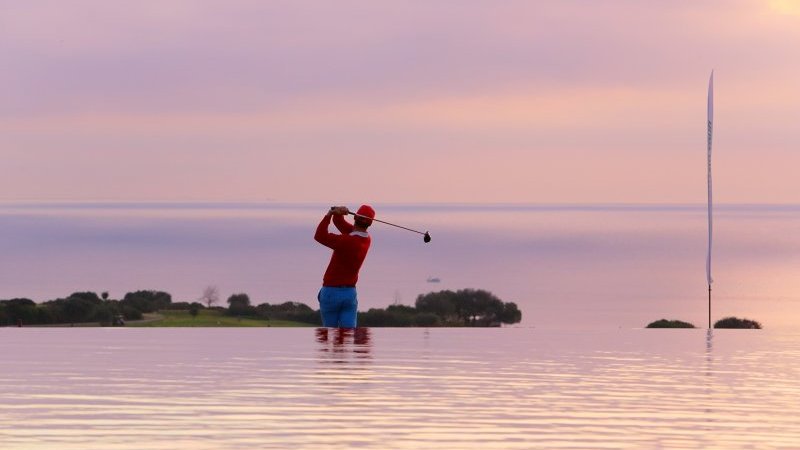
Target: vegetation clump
735,322
466,307
664,323
462,308
82,307
207,317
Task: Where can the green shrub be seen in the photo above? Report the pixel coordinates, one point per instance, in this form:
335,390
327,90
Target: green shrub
735,322
664,323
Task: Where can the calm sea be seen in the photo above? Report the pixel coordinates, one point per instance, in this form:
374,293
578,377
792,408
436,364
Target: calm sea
566,266
505,388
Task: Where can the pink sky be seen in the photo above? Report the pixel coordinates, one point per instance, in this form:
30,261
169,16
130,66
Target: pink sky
461,101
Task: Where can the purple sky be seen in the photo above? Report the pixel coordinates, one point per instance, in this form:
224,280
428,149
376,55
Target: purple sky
514,101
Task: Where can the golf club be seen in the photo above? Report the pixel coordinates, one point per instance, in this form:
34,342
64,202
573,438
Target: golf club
426,237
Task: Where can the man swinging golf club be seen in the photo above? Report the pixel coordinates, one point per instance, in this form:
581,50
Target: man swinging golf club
338,302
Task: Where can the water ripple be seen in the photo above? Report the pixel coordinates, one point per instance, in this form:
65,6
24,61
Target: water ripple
398,389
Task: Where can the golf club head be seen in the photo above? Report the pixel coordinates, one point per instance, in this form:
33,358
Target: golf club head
427,237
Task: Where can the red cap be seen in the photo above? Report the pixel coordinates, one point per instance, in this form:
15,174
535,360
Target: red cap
366,211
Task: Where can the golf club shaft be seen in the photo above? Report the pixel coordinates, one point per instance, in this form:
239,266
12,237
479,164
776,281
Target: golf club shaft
387,223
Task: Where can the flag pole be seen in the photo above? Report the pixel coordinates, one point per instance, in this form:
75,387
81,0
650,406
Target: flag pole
710,204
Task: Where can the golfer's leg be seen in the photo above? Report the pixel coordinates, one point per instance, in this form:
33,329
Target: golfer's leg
349,309
328,307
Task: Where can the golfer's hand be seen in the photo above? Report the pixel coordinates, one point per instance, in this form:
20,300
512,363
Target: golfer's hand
339,210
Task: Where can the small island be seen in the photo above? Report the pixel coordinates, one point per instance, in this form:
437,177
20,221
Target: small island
728,322
737,323
664,323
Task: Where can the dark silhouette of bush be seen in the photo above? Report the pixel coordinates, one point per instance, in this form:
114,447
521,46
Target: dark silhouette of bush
185,306
90,297
239,305
19,310
468,307
130,313
441,304
378,317
103,315
664,323
511,313
735,322
147,301
78,307
426,320
293,311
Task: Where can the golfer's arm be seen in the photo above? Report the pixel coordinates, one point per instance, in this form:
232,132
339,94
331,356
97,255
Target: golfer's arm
342,225
323,236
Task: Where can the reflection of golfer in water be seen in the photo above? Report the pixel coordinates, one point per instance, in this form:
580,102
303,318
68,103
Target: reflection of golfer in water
338,302
343,345
358,337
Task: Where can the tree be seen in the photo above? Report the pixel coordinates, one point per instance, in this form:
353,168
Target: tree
239,305
88,296
438,303
664,323
131,313
194,309
735,322
185,306
210,296
104,295
239,300
487,308
103,314
511,313
147,301
20,310
78,309
294,311
426,320
376,317
468,307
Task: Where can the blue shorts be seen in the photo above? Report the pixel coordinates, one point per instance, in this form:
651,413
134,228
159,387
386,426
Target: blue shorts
338,306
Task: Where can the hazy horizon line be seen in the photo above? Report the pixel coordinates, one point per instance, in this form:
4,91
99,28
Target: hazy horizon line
247,204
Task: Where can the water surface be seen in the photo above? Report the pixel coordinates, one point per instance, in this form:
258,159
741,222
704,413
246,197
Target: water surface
398,389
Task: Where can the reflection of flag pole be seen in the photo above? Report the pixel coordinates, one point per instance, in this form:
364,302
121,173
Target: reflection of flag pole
710,211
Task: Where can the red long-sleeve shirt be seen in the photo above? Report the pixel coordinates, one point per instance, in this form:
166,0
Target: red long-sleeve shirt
349,250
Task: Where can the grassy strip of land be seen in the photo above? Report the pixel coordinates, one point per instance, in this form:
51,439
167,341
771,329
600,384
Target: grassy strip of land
207,318
149,308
